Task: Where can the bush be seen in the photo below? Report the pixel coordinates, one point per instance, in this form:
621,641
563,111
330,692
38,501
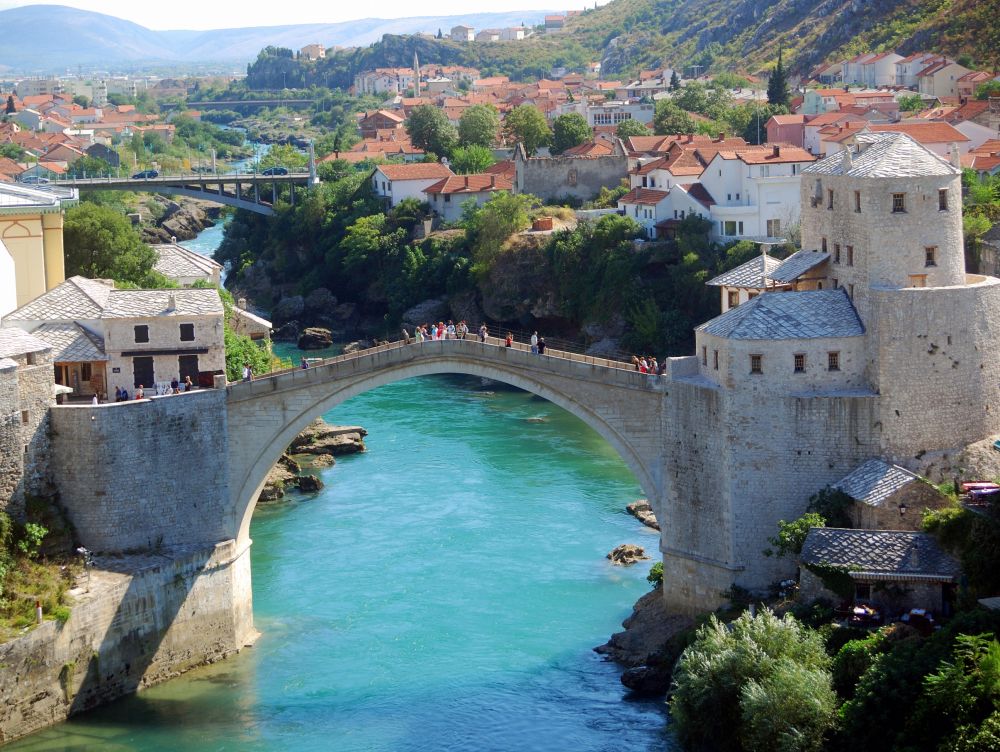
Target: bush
792,535
655,576
760,683
31,539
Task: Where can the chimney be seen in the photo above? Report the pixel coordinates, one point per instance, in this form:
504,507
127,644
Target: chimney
173,239
776,151
847,159
493,180
956,157
722,135
171,302
690,137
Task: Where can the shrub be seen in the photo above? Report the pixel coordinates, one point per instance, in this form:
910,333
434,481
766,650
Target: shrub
31,539
792,535
655,576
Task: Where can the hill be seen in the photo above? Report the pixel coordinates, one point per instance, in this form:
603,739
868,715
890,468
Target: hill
92,39
715,35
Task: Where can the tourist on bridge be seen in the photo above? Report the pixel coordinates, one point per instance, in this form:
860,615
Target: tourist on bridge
451,332
463,330
247,372
534,342
175,387
541,346
118,394
509,342
406,336
139,394
483,332
188,386
305,363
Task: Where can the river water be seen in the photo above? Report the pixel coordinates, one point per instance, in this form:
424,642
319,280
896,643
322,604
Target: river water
444,591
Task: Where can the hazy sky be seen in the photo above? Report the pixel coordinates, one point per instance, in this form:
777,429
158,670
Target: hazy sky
199,14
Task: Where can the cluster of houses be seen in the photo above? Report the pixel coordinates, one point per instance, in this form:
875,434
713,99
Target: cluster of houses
928,73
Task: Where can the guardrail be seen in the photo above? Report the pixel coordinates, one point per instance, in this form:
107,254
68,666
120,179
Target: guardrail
213,177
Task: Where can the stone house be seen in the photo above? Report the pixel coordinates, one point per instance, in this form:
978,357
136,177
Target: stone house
395,182
576,177
894,570
26,393
380,120
803,270
888,497
940,78
462,33
447,196
185,267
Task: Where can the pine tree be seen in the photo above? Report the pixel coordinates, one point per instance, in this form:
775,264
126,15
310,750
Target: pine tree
440,35
777,87
10,105
675,82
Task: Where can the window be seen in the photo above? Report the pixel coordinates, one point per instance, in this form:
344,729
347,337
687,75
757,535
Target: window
740,226
850,291
943,199
835,283
800,363
898,203
833,361
850,255
829,198
728,227
733,298
774,228
857,201
142,333
737,196
822,244
24,417
447,198
756,364
836,253
918,280
85,372
715,359
729,197
31,359
752,294
187,332
704,356
930,255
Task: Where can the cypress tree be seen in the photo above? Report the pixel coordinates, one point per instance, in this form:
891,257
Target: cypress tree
777,86
675,82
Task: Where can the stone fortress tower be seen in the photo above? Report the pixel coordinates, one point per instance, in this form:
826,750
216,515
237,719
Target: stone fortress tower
871,342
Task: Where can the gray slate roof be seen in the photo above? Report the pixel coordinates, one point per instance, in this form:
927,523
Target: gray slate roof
808,314
747,274
175,261
76,298
143,303
879,552
71,343
875,481
798,264
884,155
14,341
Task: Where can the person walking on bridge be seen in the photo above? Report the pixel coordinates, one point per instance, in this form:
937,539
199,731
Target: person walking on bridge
483,332
541,346
534,342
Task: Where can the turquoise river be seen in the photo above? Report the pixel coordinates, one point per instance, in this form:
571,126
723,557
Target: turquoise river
443,592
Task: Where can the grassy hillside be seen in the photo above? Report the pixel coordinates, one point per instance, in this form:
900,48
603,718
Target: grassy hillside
735,35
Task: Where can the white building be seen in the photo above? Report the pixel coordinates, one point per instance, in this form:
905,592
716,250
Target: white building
394,183
647,206
908,68
615,112
448,195
462,33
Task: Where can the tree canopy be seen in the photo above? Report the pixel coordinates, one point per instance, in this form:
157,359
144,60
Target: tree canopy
479,125
631,127
569,130
670,120
466,160
777,85
431,131
525,124
101,243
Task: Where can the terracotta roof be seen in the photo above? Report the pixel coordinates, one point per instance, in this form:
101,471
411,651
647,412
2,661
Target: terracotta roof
589,149
416,171
991,146
924,133
699,193
471,184
788,119
971,109
830,118
644,196
504,167
778,154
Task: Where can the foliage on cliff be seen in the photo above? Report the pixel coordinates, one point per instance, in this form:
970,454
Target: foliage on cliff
716,35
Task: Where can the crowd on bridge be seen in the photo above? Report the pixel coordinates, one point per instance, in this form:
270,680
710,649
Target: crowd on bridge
648,364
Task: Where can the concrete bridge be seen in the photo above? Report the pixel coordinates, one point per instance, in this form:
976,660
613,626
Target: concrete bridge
242,190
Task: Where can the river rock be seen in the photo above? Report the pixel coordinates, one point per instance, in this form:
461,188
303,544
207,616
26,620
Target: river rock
605,348
288,332
627,554
435,309
642,511
282,476
465,308
288,309
315,338
321,438
310,484
323,460
320,301
648,632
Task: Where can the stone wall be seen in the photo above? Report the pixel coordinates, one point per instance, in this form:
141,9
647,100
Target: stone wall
141,474
558,177
11,448
144,619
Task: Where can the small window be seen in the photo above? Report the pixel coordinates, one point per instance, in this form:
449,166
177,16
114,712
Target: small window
187,332
733,298
24,417
447,198
31,359
773,228
943,199
930,255
85,372
857,201
850,291
142,333
835,282
836,253
800,363
756,364
822,244
715,359
898,203
829,198
704,356
850,255
833,361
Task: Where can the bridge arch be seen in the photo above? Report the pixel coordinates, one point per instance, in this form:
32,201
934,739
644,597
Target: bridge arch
266,415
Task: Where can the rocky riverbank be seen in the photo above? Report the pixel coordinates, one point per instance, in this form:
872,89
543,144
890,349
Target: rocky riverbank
316,447
163,219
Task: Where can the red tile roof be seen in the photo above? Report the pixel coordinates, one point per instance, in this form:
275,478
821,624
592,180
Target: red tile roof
417,171
699,193
644,196
479,183
924,133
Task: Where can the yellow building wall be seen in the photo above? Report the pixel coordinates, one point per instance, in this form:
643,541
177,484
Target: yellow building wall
35,242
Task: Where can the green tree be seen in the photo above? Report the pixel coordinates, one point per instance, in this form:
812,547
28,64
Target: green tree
430,130
101,243
466,160
631,127
88,166
669,119
792,535
11,151
284,155
493,223
692,98
479,126
81,100
525,124
911,103
777,85
569,130
988,89
10,108
759,683
675,82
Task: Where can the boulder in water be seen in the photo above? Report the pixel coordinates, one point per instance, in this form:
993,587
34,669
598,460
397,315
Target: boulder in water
643,511
627,554
315,338
310,484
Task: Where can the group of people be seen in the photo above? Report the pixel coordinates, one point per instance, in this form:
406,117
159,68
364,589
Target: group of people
438,331
649,365
176,387
121,395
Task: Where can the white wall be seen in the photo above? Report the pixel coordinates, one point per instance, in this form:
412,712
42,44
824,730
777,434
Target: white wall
8,286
